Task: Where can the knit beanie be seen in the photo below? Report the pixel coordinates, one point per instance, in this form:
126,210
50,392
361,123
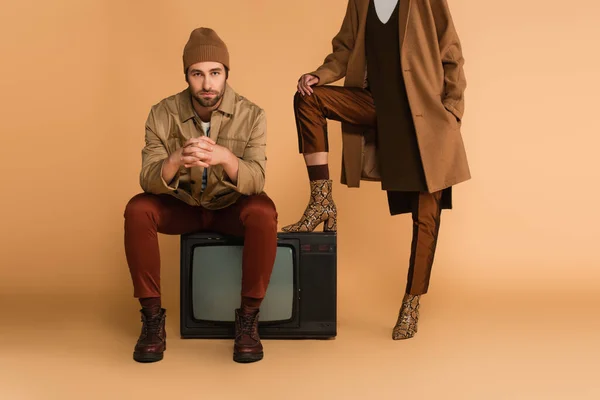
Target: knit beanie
204,45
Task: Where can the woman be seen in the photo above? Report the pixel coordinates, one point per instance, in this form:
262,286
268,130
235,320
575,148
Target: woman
401,108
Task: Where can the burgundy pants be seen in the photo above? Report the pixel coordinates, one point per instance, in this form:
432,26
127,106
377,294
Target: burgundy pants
356,106
252,217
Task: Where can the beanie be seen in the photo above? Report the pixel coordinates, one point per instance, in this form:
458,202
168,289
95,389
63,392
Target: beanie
204,45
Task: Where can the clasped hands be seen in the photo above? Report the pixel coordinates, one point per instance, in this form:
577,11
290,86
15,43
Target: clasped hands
203,152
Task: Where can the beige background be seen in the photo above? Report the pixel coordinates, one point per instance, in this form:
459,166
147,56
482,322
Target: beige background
513,306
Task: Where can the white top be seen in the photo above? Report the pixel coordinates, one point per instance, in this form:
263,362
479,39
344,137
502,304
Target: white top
384,9
205,127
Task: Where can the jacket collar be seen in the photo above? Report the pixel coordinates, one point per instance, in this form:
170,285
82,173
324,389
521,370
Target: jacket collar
187,111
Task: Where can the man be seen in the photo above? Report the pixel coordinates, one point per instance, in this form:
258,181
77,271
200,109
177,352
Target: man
401,108
203,169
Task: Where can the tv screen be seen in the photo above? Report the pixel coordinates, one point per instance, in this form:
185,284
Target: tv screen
216,275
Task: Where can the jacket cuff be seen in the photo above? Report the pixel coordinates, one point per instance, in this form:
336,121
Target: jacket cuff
244,179
321,75
170,186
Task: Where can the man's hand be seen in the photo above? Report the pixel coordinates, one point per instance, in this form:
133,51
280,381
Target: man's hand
193,152
305,82
204,152
201,152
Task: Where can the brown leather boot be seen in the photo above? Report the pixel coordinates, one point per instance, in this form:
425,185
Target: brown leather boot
153,339
408,317
320,208
247,347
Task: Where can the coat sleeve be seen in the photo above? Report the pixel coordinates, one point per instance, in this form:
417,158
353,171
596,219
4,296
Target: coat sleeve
452,59
335,65
251,166
153,155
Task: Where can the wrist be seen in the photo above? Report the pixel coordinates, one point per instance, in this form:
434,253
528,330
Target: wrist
175,158
231,159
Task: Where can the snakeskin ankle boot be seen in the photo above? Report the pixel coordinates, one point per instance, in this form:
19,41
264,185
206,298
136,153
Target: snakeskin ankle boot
320,208
406,325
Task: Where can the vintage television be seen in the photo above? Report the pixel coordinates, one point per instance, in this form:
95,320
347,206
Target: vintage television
301,300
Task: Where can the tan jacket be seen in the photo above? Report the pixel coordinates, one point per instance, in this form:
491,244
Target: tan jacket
432,64
237,124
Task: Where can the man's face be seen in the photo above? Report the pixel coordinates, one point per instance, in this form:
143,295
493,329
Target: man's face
207,82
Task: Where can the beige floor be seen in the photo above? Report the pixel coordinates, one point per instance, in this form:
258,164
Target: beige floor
480,345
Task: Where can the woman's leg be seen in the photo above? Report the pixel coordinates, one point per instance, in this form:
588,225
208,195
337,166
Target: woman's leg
350,105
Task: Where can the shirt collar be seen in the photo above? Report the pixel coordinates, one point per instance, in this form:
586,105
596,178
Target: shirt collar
187,109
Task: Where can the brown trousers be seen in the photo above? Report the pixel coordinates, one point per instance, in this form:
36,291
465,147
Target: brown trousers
251,217
356,106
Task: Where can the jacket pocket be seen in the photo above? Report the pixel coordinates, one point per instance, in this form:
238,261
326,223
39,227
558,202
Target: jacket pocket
236,146
451,114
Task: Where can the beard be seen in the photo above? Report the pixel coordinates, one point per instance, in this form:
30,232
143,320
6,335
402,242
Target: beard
208,102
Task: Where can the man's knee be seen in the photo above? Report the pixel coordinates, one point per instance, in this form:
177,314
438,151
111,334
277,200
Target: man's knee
141,205
260,209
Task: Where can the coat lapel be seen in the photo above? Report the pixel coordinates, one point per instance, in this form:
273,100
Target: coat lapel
403,20
363,10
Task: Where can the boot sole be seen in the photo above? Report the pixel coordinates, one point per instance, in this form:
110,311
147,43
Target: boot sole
147,358
247,358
